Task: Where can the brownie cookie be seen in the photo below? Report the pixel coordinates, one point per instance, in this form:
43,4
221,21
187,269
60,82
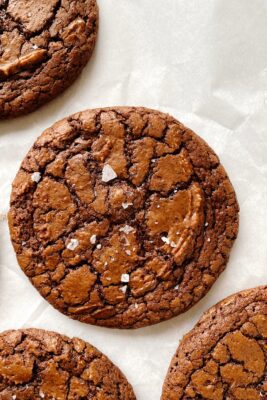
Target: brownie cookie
122,217
225,356
44,45
37,364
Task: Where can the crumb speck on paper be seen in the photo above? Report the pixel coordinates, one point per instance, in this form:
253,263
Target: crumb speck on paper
108,173
3,217
72,244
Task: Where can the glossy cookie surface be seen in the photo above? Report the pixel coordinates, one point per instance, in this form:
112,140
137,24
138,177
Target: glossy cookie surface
122,217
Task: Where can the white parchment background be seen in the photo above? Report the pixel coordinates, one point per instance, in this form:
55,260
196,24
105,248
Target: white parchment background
205,62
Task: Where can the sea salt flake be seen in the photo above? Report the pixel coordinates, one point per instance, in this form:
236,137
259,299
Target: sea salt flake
165,239
156,222
135,305
42,395
34,46
98,246
125,278
126,205
105,263
14,397
176,287
206,224
108,278
93,239
36,177
128,252
108,173
126,229
72,244
123,289
173,244
208,239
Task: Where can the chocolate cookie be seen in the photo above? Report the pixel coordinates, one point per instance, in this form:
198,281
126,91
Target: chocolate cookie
225,356
37,364
122,217
44,45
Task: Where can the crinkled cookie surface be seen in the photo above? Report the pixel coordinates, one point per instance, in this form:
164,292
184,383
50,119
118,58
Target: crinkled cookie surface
44,45
122,217
224,357
37,364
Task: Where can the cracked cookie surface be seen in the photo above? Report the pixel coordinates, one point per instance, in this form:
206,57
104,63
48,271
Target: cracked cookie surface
43,48
37,364
122,217
224,357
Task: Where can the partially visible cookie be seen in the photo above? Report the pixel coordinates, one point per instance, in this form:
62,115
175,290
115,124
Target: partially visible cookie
122,217
44,45
225,356
37,364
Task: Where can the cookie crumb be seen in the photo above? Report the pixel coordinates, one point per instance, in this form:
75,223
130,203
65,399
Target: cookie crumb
72,244
108,173
125,278
93,239
36,177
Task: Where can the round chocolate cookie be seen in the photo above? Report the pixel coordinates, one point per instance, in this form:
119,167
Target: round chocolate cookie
122,217
225,356
37,364
44,45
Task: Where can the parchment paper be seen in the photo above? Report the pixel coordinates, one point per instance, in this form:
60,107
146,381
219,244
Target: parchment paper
205,62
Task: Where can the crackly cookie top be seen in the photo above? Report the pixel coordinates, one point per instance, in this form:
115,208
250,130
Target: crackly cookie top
122,217
43,47
37,364
224,357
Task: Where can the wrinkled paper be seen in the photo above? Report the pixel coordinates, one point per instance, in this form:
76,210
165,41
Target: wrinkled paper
204,62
